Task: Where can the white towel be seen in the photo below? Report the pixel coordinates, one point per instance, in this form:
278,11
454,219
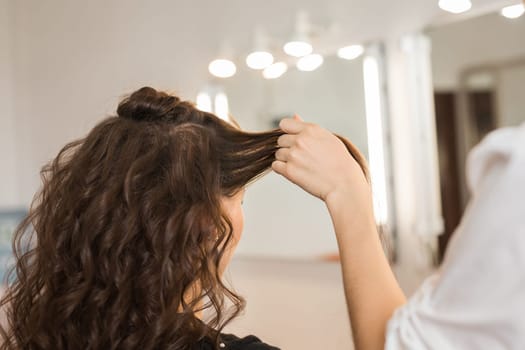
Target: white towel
477,298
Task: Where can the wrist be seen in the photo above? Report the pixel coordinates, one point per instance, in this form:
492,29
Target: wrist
338,198
350,196
351,208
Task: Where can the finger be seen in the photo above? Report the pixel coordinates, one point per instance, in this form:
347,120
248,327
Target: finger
291,126
282,154
279,167
286,140
298,118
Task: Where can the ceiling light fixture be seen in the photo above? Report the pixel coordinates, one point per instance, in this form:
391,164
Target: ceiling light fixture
310,63
259,60
300,45
350,52
455,6
222,68
260,57
275,70
514,11
298,48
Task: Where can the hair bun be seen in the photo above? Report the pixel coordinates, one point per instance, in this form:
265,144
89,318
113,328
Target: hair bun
148,104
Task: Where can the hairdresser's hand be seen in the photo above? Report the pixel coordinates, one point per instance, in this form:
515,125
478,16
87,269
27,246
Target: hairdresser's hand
317,161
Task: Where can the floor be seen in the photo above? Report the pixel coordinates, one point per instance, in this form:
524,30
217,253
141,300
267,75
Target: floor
298,304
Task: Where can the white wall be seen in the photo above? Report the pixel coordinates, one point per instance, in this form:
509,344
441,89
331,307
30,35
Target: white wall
477,41
9,196
509,90
74,60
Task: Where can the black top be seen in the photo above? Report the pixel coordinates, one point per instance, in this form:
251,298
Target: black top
231,342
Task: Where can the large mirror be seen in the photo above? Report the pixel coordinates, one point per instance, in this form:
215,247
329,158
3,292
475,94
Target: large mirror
282,220
479,77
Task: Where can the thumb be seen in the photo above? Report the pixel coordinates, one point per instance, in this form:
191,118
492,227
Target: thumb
297,117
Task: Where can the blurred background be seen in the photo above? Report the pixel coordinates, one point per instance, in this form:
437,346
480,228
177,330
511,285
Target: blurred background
415,84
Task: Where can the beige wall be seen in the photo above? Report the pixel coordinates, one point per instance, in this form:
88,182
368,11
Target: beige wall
509,90
9,196
473,42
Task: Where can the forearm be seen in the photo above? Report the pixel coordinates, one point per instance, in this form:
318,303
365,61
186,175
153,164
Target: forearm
371,290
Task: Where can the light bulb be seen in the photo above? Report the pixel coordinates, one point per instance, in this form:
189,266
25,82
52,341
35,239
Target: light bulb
455,6
222,68
310,62
514,11
204,102
298,48
275,70
221,106
259,60
350,52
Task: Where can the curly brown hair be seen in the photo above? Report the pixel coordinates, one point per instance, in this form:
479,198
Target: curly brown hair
128,223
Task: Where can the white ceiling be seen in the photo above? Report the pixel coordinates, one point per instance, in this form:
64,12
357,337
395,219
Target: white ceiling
235,20
360,20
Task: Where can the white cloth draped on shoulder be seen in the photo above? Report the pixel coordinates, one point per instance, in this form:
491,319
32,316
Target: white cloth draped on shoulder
477,298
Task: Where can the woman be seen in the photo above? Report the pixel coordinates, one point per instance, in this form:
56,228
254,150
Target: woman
133,229
476,300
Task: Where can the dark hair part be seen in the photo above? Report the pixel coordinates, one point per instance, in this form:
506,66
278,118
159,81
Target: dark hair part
128,224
